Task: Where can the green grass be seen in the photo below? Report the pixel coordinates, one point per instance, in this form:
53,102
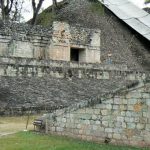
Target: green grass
34,141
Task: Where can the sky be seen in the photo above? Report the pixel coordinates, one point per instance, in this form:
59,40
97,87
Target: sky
27,12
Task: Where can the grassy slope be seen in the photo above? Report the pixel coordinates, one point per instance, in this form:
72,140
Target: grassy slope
33,141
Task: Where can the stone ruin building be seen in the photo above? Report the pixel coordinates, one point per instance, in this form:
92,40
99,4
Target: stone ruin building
91,80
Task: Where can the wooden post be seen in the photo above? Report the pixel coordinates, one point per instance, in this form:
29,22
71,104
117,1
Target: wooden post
46,126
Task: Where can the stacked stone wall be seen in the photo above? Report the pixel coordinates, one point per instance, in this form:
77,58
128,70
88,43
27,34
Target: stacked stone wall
22,40
46,85
10,66
120,119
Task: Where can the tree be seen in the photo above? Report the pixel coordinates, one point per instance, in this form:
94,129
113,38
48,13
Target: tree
147,1
55,3
36,9
54,6
11,9
6,8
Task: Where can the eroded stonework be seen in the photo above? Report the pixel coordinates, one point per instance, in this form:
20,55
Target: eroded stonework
60,42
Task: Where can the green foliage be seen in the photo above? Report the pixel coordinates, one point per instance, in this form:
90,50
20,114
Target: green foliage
35,141
45,18
147,1
96,7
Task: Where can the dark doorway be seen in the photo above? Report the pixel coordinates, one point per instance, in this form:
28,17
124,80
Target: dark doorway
74,54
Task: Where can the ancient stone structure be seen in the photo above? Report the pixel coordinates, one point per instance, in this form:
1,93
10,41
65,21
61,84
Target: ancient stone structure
60,42
92,85
119,118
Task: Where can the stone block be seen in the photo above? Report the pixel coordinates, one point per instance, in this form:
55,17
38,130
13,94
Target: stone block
81,111
105,123
116,107
88,132
104,112
100,106
94,117
129,119
94,127
117,100
123,107
108,106
132,101
81,131
147,127
109,130
131,125
128,113
86,116
100,129
145,95
64,120
148,102
136,94
53,129
96,111
89,110
89,138
143,120
140,126
136,119
118,130
124,125
106,118
110,135
87,122
97,122
124,101
62,125
111,124
145,114
120,119
123,113
59,129
116,136
92,122
118,124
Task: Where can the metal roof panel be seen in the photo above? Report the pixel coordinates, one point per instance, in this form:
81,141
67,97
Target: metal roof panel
135,17
147,36
138,26
145,20
122,15
132,11
116,2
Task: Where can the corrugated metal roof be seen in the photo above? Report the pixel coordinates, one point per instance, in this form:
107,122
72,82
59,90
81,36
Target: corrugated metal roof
135,17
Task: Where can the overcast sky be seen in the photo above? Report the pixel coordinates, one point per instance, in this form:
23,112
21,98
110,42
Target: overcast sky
28,14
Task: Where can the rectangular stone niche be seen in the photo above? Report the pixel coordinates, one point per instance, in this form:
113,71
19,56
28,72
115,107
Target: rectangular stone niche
77,54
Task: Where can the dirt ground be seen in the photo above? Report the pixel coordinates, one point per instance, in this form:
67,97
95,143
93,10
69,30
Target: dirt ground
10,125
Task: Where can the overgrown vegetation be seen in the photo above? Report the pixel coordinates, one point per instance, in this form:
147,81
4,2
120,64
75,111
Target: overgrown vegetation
34,141
96,7
48,16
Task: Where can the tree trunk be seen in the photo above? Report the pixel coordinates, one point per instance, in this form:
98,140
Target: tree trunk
6,8
36,10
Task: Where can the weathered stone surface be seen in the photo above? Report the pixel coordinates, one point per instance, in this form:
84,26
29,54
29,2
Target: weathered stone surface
121,126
